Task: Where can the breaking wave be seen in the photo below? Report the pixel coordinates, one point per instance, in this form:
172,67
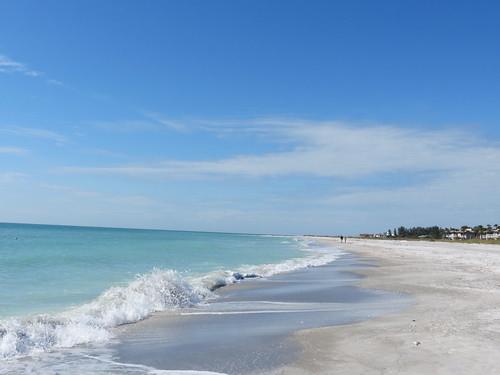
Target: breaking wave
158,290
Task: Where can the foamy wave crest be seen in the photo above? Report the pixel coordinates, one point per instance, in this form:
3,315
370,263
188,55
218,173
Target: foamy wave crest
156,291
317,257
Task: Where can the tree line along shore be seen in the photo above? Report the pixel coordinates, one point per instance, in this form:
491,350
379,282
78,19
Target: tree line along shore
477,234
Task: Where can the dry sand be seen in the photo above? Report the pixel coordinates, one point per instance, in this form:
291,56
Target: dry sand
452,328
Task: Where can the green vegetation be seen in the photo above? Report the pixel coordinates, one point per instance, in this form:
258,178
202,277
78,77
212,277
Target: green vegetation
489,234
433,232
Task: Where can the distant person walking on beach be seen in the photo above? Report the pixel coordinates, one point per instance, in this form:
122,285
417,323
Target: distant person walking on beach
341,238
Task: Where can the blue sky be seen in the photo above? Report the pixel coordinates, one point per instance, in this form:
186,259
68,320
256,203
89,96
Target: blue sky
253,116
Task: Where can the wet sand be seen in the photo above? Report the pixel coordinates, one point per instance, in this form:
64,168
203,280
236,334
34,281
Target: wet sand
452,328
249,329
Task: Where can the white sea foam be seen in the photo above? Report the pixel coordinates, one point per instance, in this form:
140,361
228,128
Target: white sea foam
158,290
152,370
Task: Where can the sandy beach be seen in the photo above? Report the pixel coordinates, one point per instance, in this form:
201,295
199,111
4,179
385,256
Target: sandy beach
447,320
249,328
453,326
381,307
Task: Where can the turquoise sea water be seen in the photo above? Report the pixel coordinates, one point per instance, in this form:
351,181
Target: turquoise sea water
63,286
46,268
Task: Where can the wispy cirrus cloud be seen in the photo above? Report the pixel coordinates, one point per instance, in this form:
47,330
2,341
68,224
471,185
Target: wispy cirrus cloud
149,122
34,133
158,118
127,126
10,66
329,149
320,174
368,172
13,150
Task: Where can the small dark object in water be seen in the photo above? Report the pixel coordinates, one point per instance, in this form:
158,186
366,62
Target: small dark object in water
251,276
217,285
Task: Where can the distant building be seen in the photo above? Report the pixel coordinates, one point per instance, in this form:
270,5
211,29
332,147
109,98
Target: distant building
454,235
487,232
493,235
371,235
466,234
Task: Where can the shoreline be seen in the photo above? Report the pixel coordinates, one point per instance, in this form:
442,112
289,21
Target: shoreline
453,326
391,307
227,335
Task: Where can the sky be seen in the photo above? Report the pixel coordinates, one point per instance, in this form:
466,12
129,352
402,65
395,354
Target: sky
328,117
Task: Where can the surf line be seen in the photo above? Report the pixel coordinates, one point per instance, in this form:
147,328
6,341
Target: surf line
152,369
258,312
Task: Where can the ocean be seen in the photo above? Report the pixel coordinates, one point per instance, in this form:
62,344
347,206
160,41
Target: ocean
67,286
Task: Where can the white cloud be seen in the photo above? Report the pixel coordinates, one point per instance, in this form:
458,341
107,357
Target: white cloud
127,126
152,122
355,165
166,122
468,196
34,133
8,65
13,150
331,149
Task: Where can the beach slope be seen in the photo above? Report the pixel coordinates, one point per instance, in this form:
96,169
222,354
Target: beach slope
453,327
